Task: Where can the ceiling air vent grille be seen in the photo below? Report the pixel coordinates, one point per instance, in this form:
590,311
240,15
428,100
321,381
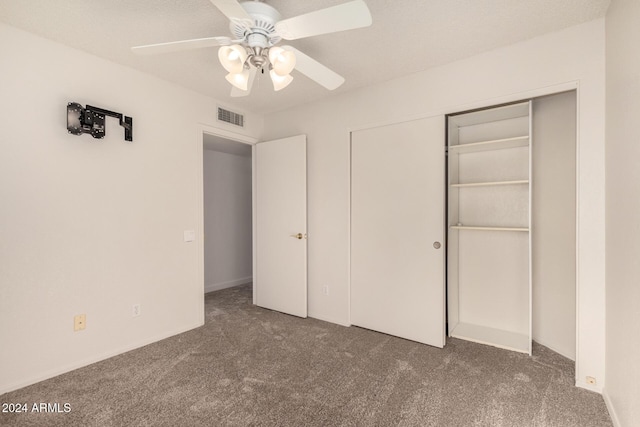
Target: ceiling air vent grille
230,117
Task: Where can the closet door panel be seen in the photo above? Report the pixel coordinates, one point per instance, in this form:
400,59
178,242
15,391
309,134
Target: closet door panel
397,214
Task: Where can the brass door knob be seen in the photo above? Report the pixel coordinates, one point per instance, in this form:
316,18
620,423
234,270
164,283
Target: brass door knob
298,236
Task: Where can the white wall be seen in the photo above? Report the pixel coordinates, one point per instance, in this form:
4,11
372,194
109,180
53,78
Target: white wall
93,226
554,222
518,71
622,391
228,257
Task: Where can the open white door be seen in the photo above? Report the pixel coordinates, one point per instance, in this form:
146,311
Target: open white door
397,230
280,277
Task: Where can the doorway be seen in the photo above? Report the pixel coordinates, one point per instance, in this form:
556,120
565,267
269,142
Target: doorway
254,223
227,212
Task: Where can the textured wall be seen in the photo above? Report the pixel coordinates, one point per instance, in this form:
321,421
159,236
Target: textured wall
554,222
93,226
622,390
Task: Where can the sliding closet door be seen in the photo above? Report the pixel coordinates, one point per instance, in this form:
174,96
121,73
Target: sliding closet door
397,229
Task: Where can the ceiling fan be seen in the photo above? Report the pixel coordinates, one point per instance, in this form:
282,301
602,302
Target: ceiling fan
257,28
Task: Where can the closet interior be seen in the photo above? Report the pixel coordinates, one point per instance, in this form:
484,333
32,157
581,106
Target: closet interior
511,224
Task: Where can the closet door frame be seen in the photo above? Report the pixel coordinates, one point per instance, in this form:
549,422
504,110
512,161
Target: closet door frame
486,103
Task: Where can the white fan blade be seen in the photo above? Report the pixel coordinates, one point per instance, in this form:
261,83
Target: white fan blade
237,93
152,49
347,16
315,70
234,11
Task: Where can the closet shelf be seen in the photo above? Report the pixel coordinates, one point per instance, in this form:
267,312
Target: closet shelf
496,144
481,228
490,183
490,336
489,228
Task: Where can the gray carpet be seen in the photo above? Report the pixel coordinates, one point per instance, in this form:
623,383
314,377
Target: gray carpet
250,366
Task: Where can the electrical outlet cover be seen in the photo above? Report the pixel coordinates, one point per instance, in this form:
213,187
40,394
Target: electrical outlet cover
79,322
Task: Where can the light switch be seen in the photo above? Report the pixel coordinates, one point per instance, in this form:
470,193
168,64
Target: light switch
189,235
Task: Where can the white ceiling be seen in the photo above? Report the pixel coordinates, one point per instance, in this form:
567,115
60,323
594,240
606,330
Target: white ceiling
406,36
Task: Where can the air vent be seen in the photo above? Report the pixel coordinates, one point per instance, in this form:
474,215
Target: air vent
230,117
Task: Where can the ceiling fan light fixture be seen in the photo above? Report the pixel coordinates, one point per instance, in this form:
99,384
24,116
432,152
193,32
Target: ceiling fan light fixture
280,82
232,58
257,28
239,80
282,61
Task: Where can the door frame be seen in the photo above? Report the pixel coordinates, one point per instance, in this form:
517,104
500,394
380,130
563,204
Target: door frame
201,130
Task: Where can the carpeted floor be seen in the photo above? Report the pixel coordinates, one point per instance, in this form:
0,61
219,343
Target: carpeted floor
250,366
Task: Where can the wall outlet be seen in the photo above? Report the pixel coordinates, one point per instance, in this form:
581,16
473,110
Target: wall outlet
325,289
136,310
591,380
79,322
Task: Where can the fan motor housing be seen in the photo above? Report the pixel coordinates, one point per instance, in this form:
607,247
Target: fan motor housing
265,18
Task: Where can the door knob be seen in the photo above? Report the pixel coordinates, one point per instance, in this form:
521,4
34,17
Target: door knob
436,245
298,236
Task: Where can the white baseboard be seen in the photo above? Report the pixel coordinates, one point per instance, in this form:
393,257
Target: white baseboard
224,285
551,347
329,319
6,388
590,387
611,409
